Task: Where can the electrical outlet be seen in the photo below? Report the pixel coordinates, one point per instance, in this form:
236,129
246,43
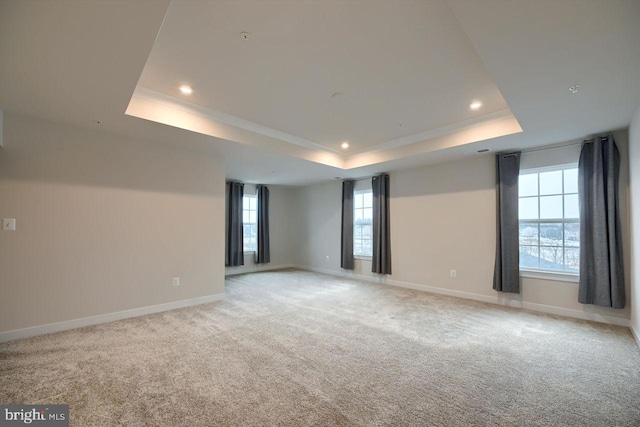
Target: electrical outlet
176,281
452,273
9,224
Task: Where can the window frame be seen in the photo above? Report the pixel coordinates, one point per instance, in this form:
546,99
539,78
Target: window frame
356,193
543,273
249,210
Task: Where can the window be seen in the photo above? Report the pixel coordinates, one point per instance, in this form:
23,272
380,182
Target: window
362,222
549,219
249,223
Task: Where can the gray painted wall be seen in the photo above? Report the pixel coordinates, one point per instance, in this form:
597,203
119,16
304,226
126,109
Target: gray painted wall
103,224
280,231
442,219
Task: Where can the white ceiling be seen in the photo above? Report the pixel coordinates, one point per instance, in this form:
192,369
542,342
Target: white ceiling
266,105
403,67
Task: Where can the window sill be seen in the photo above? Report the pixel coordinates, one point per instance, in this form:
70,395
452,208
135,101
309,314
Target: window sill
549,275
363,257
249,252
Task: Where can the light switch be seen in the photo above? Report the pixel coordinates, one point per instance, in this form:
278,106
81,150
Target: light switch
8,224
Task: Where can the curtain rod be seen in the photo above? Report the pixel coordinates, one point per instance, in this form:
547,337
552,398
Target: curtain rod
365,178
584,141
534,150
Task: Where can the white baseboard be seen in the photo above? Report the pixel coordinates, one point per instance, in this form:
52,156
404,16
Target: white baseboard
232,271
635,334
104,318
499,300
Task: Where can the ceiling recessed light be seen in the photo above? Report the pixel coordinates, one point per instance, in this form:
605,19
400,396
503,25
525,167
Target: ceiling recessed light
186,90
574,89
475,105
344,145
245,35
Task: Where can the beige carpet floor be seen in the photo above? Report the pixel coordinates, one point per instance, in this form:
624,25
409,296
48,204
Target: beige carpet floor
294,348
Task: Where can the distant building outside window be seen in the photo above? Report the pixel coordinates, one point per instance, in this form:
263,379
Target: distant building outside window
249,223
362,222
549,219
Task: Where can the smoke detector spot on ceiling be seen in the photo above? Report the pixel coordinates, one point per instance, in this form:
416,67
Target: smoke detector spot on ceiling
574,89
245,35
338,95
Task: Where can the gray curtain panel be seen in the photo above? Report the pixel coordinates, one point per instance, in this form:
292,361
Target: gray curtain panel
234,254
346,244
381,261
601,269
506,273
263,254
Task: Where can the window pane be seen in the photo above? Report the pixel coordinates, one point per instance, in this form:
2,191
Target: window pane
245,202
362,219
368,213
245,217
571,208
551,182
366,248
550,245
571,181
551,258
529,257
551,234
550,207
528,208
572,260
528,185
252,203
572,235
368,199
366,232
252,217
358,201
528,233
254,230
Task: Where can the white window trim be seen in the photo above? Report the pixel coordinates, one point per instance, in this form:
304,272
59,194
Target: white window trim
548,168
556,276
363,257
